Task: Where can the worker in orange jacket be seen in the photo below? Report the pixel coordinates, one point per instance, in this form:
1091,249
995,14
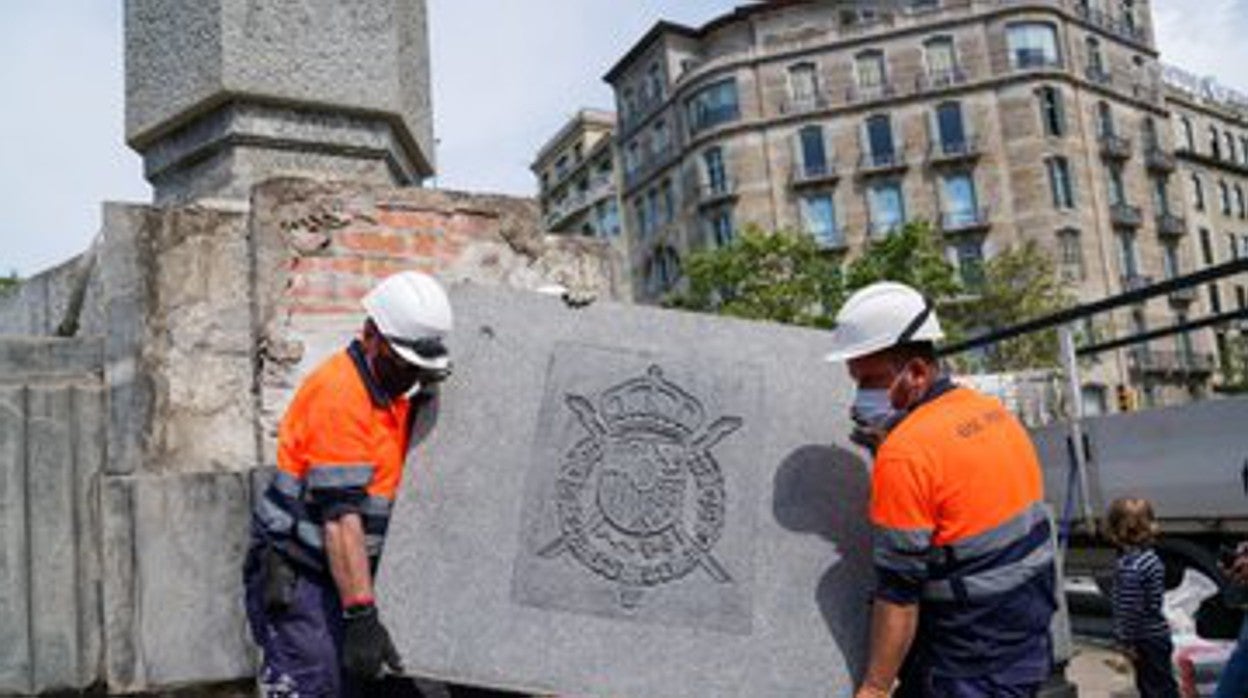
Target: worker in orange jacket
963,550
319,529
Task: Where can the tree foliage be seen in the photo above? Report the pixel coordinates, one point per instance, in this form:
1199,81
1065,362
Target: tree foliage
761,276
786,277
912,256
9,283
1019,284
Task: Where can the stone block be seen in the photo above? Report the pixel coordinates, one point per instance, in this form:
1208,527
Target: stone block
14,554
223,94
32,359
51,449
628,501
173,553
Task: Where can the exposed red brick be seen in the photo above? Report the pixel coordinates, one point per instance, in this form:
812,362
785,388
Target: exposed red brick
381,242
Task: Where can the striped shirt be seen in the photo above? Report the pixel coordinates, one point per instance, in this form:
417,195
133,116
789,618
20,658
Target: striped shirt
1139,586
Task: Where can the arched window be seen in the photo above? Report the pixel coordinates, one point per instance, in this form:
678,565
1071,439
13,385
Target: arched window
1052,111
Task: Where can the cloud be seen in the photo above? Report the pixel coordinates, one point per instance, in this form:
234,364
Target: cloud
1204,37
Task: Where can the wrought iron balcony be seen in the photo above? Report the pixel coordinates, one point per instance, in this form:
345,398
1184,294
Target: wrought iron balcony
713,193
870,93
814,174
1125,216
958,222
817,101
1025,59
954,152
654,162
1115,146
1158,160
880,229
939,80
871,164
1171,362
1170,225
1099,75
1134,282
1184,296
833,241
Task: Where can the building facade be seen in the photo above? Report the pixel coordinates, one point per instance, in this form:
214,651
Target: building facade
577,178
1210,125
1000,121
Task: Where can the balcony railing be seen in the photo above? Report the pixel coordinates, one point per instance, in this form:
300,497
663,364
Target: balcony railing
1184,296
1158,160
803,104
956,222
600,187
1115,146
832,241
712,193
954,151
653,163
879,229
645,106
1025,59
1125,216
1109,23
812,174
869,93
882,163
1171,362
940,80
1170,225
1134,282
1098,74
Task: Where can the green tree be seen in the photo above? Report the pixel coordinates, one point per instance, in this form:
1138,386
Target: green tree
782,277
8,283
1020,284
912,255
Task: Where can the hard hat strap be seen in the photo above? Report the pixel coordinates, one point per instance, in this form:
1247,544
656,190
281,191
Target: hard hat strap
426,347
908,333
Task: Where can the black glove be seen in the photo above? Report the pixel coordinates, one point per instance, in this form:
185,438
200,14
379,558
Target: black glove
367,651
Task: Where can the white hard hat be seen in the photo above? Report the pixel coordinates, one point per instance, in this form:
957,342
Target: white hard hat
412,312
882,315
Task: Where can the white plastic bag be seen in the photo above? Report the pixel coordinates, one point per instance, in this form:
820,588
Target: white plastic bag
1181,603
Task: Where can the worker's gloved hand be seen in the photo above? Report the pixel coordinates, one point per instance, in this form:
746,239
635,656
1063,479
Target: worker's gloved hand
367,651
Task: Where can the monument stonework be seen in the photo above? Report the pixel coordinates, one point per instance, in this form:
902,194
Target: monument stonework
626,501
221,94
630,513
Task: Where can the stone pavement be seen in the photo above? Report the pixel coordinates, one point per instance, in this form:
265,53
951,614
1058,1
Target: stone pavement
1100,672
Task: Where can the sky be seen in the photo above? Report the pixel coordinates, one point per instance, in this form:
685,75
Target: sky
506,76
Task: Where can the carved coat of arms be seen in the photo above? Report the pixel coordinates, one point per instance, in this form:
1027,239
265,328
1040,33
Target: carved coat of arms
640,499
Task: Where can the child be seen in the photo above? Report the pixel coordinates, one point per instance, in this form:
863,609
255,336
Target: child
1139,582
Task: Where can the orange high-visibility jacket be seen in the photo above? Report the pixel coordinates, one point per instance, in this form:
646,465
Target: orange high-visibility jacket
957,504
341,447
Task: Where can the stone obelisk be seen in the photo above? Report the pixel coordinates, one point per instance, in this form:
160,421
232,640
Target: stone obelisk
221,94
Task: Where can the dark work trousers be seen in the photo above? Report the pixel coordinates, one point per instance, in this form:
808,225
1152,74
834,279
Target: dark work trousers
301,644
1154,671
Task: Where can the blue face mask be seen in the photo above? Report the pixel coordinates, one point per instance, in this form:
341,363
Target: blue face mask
872,408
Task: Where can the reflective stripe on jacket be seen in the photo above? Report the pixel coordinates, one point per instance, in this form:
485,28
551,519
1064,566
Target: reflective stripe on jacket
340,449
961,528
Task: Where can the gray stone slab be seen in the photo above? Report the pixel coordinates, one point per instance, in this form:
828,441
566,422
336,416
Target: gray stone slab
174,548
25,359
14,555
50,489
89,424
695,526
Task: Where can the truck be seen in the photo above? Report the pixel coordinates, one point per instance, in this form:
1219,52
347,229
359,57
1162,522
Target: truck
1190,461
